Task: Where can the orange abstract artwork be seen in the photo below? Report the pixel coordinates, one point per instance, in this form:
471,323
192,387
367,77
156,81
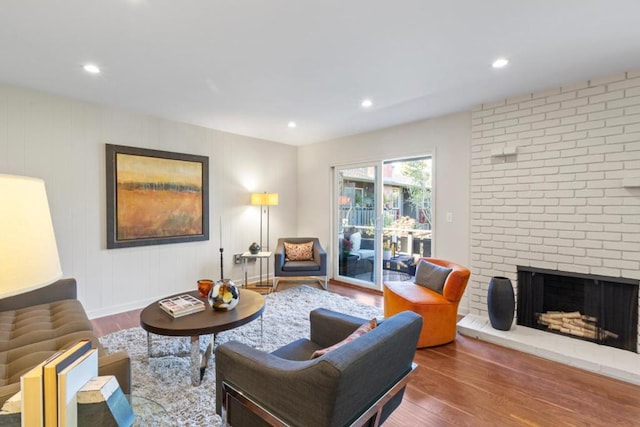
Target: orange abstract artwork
158,197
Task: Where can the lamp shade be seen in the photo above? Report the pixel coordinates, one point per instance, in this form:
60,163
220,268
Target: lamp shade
28,252
264,199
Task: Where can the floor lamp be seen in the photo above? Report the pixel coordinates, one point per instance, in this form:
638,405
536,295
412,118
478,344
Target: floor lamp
262,200
27,241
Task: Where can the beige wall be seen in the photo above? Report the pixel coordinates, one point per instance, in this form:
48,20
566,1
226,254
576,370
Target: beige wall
63,141
447,138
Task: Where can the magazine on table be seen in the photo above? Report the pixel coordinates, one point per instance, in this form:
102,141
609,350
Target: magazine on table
181,305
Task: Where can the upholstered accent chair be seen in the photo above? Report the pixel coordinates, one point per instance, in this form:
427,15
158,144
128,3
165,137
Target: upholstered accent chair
315,266
359,383
438,308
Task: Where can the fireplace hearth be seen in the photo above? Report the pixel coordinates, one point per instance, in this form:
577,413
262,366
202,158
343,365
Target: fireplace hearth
599,309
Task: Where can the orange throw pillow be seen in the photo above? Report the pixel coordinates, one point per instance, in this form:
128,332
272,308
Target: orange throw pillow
363,329
298,251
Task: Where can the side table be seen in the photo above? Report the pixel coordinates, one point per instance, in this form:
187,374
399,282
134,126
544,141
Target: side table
348,265
403,264
246,256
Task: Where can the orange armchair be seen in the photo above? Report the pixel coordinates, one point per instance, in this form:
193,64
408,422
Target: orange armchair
439,311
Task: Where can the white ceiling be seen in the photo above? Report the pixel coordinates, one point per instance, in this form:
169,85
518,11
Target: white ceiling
251,66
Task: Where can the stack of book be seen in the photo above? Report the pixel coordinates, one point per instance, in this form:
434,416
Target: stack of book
181,305
48,395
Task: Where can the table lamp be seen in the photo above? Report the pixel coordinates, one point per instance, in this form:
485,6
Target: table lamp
264,199
28,252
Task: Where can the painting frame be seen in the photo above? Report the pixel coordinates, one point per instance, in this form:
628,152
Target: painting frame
155,197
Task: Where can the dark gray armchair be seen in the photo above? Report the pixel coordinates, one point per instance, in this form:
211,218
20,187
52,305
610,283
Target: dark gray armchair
359,383
315,268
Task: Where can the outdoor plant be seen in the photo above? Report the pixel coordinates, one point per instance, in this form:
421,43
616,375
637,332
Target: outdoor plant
420,190
347,245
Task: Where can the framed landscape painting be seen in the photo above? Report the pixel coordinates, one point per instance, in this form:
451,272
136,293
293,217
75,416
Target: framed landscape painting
155,197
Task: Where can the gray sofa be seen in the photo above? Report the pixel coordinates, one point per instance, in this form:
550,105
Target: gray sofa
36,324
335,389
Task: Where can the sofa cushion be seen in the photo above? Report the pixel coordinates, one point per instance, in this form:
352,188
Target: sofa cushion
299,350
298,251
41,322
364,253
363,329
414,296
301,266
431,276
29,335
356,240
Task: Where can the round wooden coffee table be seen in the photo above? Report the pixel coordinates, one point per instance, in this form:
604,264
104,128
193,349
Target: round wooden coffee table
208,322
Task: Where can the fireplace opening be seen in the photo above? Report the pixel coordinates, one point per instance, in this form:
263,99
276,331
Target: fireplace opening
599,309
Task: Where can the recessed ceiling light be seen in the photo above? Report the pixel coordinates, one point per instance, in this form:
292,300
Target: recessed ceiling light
366,103
92,69
291,124
500,62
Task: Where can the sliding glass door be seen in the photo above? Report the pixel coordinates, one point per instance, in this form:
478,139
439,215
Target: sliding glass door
383,223
357,212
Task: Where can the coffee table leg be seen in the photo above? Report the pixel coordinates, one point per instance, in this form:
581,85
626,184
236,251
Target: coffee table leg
261,332
148,345
199,362
205,357
195,360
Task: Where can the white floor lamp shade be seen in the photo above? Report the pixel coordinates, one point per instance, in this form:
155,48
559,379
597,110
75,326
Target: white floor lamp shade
28,251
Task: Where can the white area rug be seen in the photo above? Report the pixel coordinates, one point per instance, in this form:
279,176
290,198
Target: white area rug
167,379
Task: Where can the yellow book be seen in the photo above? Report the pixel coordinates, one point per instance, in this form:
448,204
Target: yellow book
50,379
70,380
31,387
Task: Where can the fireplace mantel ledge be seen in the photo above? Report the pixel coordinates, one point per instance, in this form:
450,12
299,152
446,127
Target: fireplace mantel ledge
615,363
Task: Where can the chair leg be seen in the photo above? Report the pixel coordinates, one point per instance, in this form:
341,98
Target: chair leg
323,281
229,392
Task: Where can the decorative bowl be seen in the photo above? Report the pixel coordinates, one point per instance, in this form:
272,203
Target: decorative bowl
224,295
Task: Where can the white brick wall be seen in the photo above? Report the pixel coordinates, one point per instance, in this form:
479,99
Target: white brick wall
559,202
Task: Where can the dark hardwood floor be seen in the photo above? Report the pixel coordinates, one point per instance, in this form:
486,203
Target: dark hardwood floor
474,383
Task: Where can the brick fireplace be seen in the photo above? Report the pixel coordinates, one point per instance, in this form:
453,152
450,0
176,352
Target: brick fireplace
555,183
